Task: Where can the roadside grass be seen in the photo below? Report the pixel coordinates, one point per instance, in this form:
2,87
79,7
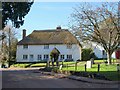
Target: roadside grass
110,71
20,65
94,68
102,61
43,64
38,65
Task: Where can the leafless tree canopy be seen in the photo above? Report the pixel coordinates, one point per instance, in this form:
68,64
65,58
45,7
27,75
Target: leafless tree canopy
98,24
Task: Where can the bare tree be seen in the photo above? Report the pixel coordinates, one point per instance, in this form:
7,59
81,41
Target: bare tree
99,24
8,49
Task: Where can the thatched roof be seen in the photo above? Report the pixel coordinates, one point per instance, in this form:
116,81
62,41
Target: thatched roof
56,36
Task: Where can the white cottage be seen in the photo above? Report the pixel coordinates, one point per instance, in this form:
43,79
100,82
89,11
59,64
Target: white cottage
97,49
38,45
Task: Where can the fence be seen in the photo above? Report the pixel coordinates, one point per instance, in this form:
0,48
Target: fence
77,66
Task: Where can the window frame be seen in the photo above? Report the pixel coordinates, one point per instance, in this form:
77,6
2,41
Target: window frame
25,46
69,46
46,46
103,52
69,56
25,58
46,55
31,58
62,57
39,57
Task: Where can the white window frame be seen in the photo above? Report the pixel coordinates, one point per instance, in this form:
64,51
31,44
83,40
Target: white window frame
25,57
62,57
46,56
25,46
69,46
69,56
32,57
39,57
46,46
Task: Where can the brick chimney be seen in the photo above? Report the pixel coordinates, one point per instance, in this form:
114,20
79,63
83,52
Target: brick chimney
24,33
58,28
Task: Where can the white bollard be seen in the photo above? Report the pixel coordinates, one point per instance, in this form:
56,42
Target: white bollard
60,68
89,64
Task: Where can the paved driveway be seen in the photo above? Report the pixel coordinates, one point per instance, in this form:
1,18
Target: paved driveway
32,79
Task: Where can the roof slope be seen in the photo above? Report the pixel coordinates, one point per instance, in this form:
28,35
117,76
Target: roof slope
40,37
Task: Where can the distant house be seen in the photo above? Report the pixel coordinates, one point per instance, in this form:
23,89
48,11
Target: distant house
99,50
38,45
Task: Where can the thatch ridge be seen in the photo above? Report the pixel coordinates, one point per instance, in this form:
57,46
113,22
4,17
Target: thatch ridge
53,36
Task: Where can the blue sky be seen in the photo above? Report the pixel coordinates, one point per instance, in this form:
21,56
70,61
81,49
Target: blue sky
48,15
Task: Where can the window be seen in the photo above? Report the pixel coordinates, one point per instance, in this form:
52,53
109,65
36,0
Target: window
46,46
62,57
69,56
39,57
31,57
69,46
25,46
46,56
104,55
25,57
103,52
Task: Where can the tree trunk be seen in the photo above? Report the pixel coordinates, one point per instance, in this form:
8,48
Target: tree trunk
52,63
109,58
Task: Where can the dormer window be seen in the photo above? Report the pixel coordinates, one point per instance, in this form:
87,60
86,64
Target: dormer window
25,46
46,46
69,46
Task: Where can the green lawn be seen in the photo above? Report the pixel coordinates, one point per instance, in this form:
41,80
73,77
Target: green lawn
102,61
20,65
43,64
110,71
38,65
94,68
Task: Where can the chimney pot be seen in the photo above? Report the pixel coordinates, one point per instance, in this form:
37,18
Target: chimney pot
59,27
24,33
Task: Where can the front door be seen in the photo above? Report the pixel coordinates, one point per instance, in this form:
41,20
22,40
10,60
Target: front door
55,57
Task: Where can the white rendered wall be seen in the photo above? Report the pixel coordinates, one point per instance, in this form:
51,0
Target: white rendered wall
98,51
36,50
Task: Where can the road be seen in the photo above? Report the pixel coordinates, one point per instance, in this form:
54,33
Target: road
34,79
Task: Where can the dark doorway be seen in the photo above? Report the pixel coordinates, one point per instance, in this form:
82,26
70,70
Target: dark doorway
54,56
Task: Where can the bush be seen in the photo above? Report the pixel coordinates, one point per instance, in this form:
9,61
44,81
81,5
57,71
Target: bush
87,54
93,55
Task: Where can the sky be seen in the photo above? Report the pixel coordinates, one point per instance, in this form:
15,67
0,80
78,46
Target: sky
48,15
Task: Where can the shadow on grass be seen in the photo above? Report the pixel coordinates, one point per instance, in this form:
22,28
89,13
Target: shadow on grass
104,75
